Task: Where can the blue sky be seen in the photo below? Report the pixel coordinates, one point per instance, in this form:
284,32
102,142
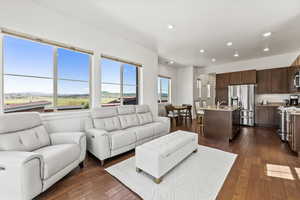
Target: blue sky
24,57
111,76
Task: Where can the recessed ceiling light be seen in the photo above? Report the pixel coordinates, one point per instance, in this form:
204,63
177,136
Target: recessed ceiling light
229,44
236,54
171,62
170,26
202,51
267,34
213,60
266,49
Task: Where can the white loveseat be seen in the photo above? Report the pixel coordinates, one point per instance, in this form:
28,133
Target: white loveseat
31,160
115,130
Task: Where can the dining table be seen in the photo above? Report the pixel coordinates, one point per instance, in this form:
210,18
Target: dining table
182,108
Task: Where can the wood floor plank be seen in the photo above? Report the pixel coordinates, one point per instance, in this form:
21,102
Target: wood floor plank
247,180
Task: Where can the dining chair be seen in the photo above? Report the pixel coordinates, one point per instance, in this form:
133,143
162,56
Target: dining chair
172,114
187,114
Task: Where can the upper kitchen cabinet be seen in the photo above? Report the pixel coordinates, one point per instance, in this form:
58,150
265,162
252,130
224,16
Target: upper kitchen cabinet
272,81
248,77
264,81
236,78
291,78
243,77
279,82
222,80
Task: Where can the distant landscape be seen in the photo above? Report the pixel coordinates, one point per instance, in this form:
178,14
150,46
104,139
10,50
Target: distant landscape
15,99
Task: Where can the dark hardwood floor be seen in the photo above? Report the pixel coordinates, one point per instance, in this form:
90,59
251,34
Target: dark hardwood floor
265,169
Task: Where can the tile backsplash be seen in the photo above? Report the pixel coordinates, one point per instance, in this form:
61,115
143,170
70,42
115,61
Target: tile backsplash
272,98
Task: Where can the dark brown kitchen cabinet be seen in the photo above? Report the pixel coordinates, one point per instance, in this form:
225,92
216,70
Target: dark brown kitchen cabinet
279,83
222,80
267,116
294,133
264,81
272,81
248,77
236,78
291,77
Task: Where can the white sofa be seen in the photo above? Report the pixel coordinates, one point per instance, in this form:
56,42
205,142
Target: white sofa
31,160
115,130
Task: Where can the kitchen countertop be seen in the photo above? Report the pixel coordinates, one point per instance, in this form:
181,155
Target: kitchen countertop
270,105
220,108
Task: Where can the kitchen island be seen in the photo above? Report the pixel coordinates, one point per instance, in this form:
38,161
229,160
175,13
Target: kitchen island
221,123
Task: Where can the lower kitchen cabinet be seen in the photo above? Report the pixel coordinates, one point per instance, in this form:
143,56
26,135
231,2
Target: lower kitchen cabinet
267,116
294,133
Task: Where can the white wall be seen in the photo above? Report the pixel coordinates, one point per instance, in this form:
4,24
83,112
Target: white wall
29,18
283,60
185,78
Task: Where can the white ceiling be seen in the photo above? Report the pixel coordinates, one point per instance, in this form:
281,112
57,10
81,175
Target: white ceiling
198,24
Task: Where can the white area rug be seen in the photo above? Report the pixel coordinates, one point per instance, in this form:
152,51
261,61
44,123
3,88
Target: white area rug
199,177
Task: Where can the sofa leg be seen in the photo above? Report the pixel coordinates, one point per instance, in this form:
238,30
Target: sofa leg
195,151
81,165
102,162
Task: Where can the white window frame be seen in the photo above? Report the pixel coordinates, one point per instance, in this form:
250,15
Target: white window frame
160,77
54,77
121,84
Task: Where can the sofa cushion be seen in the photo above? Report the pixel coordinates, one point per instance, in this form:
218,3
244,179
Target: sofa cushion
128,120
26,140
19,121
105,112
121,138
108,124
125,110
142,132
145,118
142,108
57,157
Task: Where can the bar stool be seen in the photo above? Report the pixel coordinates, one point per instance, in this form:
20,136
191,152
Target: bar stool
199,116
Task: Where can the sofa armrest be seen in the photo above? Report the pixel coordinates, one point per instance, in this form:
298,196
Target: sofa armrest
71,138
164,120
20,175
93,132
98,143
66,137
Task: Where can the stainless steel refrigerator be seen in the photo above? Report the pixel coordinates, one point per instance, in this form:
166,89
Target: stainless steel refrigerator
244,97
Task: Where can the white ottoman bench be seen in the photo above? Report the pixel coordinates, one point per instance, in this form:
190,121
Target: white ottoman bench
159,156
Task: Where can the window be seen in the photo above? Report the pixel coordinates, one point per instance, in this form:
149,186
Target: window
73,79
164,88
119,83
39,77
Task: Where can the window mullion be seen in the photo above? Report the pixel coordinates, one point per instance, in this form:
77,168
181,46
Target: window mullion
160,89
55,77
1,74
122,84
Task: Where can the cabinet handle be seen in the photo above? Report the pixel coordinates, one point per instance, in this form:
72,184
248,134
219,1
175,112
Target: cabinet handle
2,168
